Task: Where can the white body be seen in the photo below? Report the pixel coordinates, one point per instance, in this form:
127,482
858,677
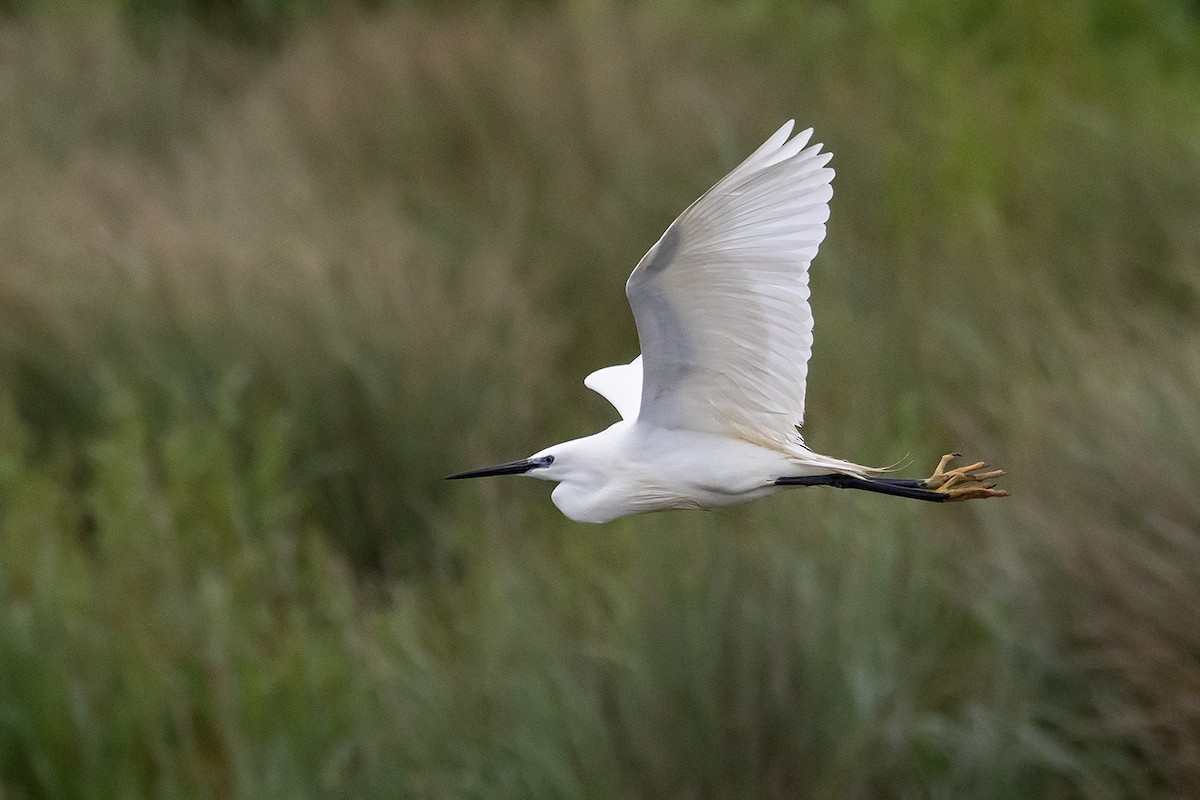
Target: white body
633,468
712,409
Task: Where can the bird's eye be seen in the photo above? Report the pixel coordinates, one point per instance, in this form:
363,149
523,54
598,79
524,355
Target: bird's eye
547,460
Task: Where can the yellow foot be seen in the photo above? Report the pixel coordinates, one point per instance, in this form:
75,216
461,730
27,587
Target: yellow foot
964,483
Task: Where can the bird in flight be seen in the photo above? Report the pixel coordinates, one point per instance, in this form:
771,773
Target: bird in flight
711,410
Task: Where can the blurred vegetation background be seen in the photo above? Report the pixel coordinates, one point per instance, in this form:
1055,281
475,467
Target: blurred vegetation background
270,268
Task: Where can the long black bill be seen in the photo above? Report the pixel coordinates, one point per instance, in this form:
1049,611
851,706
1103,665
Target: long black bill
511,468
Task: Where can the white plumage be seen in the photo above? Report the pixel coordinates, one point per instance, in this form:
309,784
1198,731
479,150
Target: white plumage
711,410
721,300
620,385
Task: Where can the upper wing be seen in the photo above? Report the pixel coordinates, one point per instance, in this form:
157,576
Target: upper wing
721,300
620,385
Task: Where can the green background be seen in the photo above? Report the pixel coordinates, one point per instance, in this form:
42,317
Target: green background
268,270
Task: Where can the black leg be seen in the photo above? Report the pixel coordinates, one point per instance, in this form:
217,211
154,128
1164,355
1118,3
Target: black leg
898,487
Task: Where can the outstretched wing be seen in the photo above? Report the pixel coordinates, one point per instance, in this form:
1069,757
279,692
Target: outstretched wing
620,385
721,300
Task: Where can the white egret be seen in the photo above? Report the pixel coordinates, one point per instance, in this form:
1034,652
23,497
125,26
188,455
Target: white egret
711,410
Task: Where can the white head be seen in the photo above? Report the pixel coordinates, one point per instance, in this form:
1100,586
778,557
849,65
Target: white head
579,468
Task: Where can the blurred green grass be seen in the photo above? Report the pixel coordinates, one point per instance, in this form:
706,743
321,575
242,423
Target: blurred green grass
255,301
